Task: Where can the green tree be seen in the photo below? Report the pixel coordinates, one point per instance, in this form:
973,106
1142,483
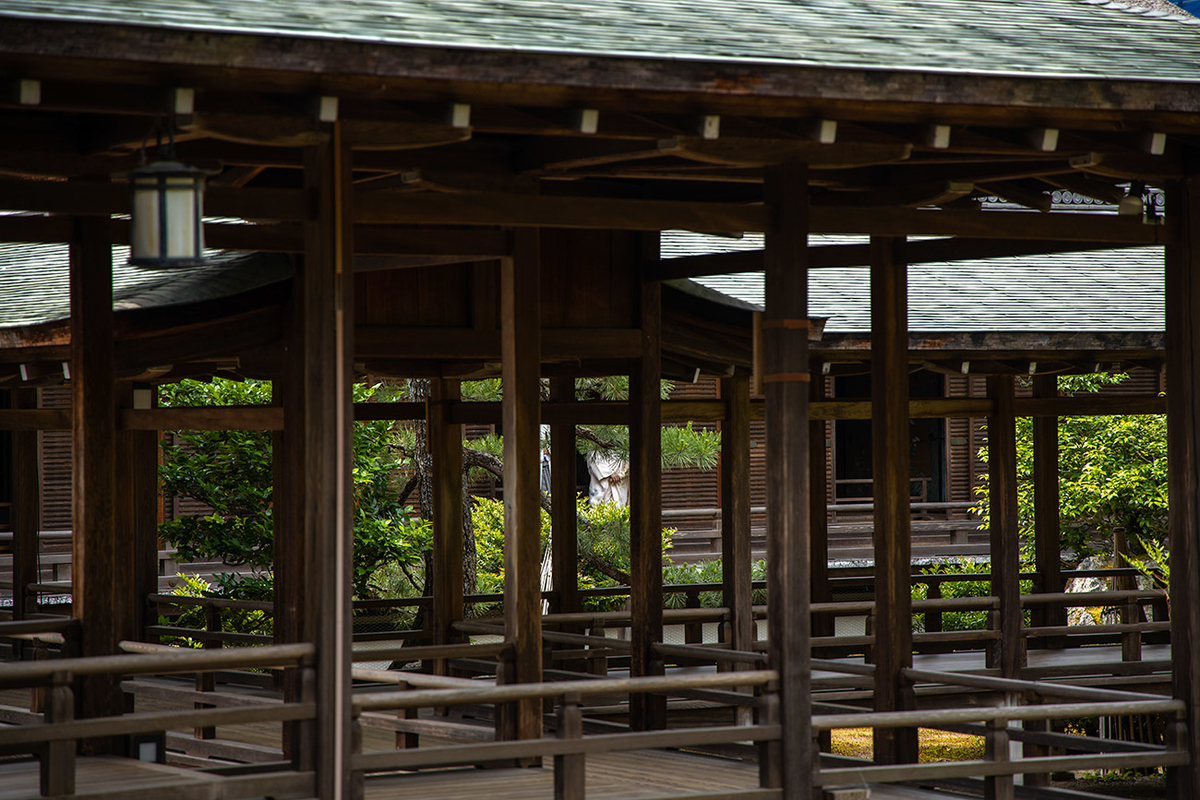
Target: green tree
231,472
1112,473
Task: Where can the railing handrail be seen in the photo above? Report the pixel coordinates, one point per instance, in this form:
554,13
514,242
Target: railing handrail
422,698
932,718
183,660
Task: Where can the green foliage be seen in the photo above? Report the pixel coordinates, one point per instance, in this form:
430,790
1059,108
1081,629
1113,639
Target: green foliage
232,473
232,620
1156,566
1113,473
961,620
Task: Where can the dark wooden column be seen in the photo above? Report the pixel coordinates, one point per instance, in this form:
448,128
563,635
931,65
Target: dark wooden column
785,333
520,330
890,439
1183,440
645,503
326,321
93,441
1047,539
136,512
446,450
735,510
27,508
1004,531
818,516
564,555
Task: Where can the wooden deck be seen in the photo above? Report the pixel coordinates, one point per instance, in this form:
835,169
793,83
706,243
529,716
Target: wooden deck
640,775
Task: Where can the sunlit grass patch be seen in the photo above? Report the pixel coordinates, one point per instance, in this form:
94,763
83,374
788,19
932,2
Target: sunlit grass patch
934,745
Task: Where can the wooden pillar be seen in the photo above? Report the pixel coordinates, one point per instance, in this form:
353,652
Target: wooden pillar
818,516
326,318
564,554
446,450
890,439
1047,539
520,331
27,506
93,440
785,331
646,712
1004,530
735,511
1183,440
137,512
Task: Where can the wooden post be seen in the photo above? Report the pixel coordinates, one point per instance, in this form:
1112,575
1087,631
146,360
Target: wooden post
818,516
785,330
564,554
646,711
58,758
520,310
326,320
995,745
890,439
287,503
26,522
93,440
1005,534
446,450
1183,452
735,511
570,770
136,511
1047,538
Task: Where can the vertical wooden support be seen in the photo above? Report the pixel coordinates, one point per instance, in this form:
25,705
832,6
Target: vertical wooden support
287,502
26,509
1004,531
93,441
1047,538
818,516
1183,452
646,712
520,328
735,511
995,746
893,524
446,450
785,331
58,758
564,554
136,512
323,380
570,770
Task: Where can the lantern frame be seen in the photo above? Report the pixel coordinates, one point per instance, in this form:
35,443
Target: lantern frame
166,200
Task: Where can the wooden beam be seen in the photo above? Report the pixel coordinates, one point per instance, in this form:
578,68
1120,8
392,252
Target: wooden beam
1046,512
1004,528
327,348
388,341
786,379
735,511
818,517
446,449
227,418
26,509
520,301
1183,453
892,489
563,465
646,711
137,512
93,442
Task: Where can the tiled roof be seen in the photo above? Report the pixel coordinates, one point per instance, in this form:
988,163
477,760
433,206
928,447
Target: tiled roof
1070,38
1100,291
34,281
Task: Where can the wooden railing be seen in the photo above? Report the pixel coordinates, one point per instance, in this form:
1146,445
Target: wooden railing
570,748
55,740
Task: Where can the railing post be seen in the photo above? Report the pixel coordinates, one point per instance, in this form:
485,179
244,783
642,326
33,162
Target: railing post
58,760
570,768
1131,641
770,768
207,681
989,651
358,788
693,632
1032,750
597,665
304,750
406,740
997,787
933,619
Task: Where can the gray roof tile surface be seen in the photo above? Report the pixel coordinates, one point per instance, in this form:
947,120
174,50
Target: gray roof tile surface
1070,38
1094,292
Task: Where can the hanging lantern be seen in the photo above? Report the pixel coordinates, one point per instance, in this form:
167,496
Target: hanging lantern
166,230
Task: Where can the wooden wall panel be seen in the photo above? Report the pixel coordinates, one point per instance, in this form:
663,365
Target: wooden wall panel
56,465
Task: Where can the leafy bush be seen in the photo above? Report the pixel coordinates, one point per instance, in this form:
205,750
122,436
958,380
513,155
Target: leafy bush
961,620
